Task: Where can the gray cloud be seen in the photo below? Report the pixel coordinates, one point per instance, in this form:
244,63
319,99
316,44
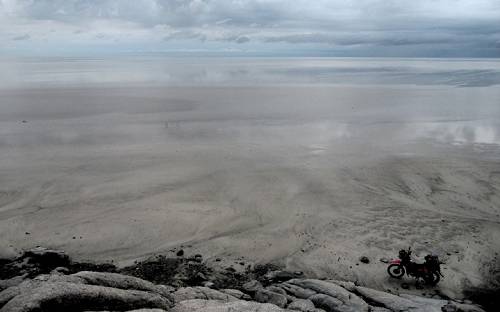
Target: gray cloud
22,37
365,25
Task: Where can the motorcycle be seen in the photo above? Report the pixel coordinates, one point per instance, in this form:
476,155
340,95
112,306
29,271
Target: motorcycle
430,271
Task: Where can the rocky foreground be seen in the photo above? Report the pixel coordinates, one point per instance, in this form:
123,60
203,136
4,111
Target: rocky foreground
47,280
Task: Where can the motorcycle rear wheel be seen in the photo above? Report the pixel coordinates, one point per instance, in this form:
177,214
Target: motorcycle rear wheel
432,279
396,270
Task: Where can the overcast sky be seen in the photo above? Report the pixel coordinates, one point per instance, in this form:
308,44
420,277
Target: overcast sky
429,28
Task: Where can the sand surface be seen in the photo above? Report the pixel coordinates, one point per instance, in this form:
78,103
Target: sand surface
313,176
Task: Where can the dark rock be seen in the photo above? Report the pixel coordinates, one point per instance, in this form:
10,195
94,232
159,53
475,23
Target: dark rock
89,266
180,253
34,262
47,257
279,276
158,270
364,259
260,270
449,308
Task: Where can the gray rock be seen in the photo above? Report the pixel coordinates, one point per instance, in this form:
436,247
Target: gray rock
350,286
390,301
379,309
138,310
449,308
60,270
440,305
276,289
147,310
189,293
28,285
465,307
303,305
252,286
350,301
297,291
61,295
121,281
4,284
236,293
328,303
279,276
199,305
208,284
53,278
9,293
266,296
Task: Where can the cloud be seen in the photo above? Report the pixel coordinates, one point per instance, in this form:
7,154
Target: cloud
364,26
22,37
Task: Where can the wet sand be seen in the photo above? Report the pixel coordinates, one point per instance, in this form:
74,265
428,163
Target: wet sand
312,176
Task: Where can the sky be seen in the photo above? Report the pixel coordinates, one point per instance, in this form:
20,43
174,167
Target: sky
400,28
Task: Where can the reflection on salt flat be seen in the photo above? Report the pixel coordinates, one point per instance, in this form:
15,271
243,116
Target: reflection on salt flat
248,71
459,132
322,134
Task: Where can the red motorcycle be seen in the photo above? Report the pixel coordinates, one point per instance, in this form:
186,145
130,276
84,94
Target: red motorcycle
430,271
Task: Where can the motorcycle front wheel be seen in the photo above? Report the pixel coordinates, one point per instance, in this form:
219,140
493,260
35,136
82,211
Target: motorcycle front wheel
396,270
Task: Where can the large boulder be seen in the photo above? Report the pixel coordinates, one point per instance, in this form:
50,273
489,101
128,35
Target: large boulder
69,296
121,281
199,305
29,284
